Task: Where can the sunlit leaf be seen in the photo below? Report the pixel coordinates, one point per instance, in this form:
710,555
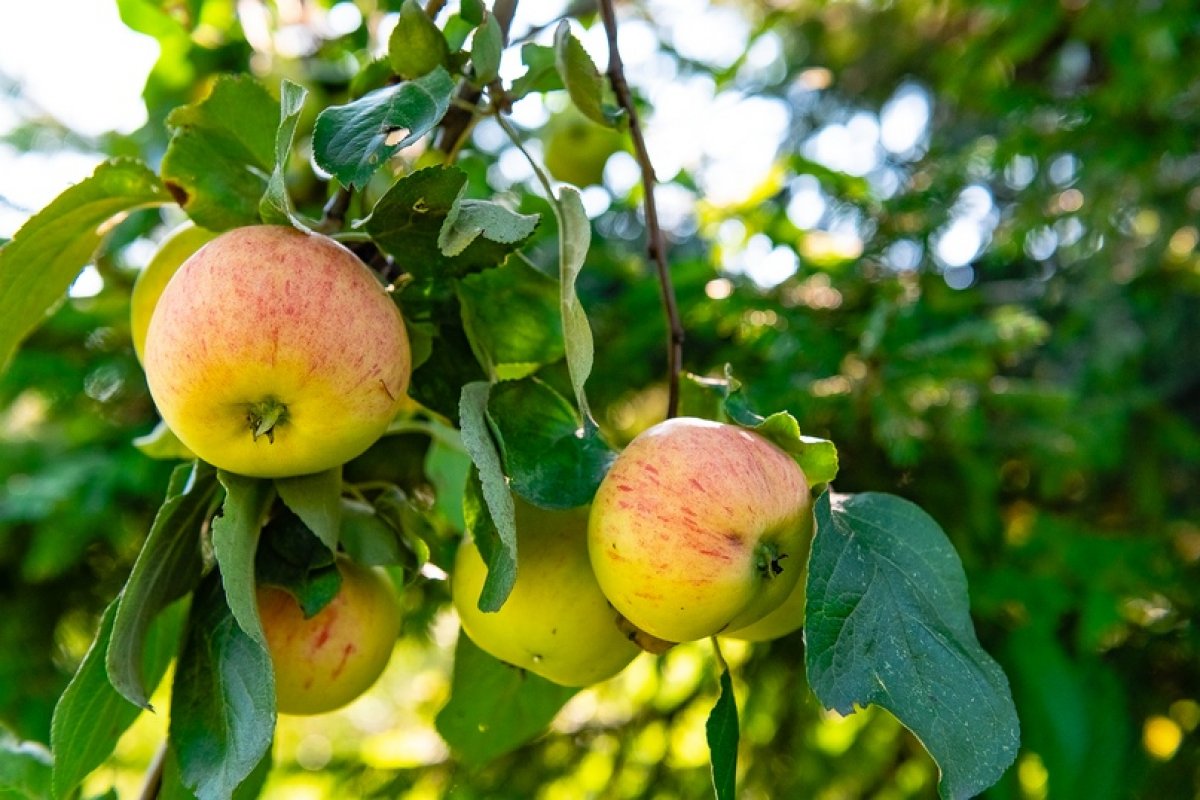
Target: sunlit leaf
888,622
38,265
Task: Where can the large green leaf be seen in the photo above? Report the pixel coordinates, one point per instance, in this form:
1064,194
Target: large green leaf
888,622
495,525
221,153
235,542
222,701
167,568
721,730
511,318
495,708
470,219
552,460
353,140
38,265
90,715
408,221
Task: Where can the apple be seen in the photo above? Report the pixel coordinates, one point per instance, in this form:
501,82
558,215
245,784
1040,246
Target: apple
175,249
787,618
274,352
556,622
576,149
698,528
324,662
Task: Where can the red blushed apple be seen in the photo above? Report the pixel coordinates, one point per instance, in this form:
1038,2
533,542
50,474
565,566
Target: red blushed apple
273,352
324,662
699,528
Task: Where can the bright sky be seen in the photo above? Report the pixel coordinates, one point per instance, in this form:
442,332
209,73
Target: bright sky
75,60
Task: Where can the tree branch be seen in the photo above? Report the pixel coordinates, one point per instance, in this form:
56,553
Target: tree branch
656,247
458,120
152,782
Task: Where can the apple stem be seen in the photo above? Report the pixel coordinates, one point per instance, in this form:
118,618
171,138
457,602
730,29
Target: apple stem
264,416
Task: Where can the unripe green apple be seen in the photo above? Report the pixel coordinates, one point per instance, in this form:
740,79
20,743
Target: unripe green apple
324,662
274,352
175,249
556,623
699,528
787,618
576,149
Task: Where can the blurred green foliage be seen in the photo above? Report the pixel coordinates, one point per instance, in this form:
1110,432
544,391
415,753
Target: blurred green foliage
1041,401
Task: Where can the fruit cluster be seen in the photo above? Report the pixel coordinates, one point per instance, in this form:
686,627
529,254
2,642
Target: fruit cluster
272,353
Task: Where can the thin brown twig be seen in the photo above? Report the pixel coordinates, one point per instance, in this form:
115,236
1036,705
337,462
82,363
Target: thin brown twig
656,247
152,783
333,215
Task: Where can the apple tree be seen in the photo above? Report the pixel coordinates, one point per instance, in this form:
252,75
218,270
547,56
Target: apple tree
426,375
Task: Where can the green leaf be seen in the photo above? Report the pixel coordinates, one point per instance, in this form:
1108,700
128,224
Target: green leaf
551,459
501,559
511,317
817,457
888,623
416,46
90,715
541,73
495,708
574,238
221,153
722,733
485,51
584,82
316,499
353,140
472,11
407,224
291,557
222,701
43,258
470,219
404,516
235,540
276,204
24,769
167,568
367,538
162,444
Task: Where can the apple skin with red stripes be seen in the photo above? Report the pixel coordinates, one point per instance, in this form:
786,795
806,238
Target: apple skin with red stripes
324,662
699,528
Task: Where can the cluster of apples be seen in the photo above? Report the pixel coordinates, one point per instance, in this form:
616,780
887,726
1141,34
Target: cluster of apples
271,352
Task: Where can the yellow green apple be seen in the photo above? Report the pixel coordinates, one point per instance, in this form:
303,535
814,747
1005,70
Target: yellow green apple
556,623
576,149
274,352
787,618
698,528
324,662
175,249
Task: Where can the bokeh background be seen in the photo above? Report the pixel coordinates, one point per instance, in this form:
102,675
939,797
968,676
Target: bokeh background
958,238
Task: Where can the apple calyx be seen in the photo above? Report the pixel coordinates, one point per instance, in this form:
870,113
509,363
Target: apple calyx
767,558
264,416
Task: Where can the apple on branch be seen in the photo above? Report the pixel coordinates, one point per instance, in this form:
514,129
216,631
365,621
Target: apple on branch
699,528
324,662
274,352
556,623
